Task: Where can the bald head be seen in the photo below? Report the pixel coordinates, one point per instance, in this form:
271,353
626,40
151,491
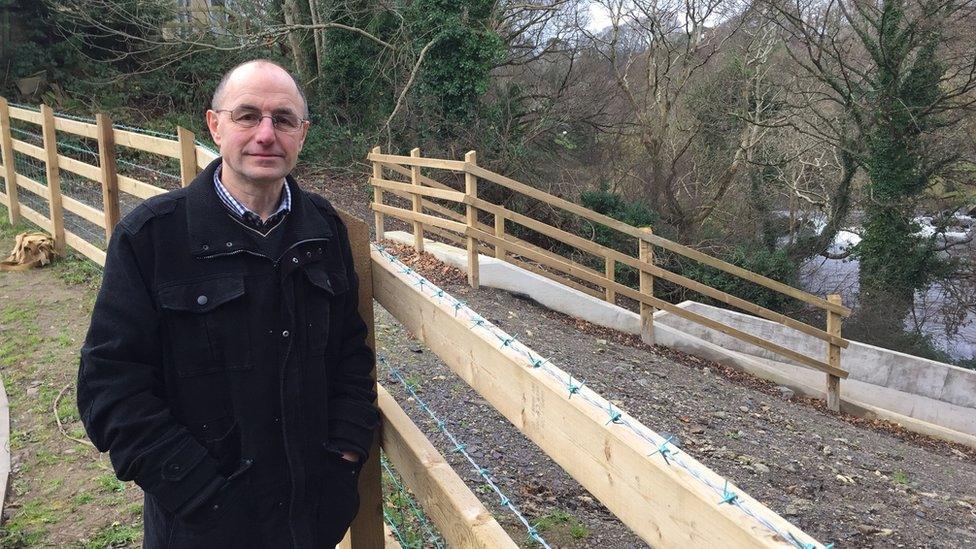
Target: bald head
244,71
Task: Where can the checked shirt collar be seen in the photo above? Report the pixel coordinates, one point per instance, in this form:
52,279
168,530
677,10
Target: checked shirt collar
246,216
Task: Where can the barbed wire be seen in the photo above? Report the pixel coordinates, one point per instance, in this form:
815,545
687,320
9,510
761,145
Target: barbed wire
659,445
421,517
460,448
393,528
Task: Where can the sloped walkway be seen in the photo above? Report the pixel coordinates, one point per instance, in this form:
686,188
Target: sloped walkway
837,478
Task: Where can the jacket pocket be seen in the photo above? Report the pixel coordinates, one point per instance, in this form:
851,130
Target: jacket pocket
207,325
325,288
222,439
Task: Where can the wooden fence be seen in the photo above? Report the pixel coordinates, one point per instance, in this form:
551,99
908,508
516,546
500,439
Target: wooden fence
190,156
667,506
430,211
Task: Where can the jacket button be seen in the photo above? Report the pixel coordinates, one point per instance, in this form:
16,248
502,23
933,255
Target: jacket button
205,247
216,507
174,467
202,300
294,260
204,427
284,333
229,244
308,254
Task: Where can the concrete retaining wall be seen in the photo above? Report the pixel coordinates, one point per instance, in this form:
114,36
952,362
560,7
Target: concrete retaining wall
923,395
866,363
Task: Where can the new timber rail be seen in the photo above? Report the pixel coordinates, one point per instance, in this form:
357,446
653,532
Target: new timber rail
431,210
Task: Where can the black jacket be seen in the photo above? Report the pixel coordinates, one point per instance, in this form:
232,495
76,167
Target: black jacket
224,371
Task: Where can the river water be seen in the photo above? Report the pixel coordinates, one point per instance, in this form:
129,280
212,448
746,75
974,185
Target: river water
824,276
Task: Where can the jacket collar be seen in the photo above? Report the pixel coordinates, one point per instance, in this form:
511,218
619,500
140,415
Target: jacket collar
212,231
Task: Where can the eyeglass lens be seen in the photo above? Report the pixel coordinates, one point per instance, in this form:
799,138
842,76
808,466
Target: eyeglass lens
249,117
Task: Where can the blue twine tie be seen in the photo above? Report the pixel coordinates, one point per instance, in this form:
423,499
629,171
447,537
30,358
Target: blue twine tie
663,450
728,497
614,415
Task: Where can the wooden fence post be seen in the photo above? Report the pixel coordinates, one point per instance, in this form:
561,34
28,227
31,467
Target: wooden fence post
110,175
378,199
471,218
646,255
609,270
188,155
366,531
418,227
833,355
55,209
500,252
9,167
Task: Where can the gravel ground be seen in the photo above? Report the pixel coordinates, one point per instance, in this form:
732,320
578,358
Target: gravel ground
840,479
837,480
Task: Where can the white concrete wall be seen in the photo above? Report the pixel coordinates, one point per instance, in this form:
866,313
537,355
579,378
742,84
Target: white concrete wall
495,273
927,396
866,363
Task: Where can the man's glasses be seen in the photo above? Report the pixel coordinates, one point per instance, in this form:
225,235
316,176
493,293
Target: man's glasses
249,117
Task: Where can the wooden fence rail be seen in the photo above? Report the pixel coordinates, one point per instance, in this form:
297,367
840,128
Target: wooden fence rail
466,230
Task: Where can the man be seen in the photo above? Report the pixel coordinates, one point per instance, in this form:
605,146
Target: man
225,370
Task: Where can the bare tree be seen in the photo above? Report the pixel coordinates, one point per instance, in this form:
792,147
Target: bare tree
659,52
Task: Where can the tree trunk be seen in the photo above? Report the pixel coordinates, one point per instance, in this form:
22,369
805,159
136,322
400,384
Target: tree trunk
293,16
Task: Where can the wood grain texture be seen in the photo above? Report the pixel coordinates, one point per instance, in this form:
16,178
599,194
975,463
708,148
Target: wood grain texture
366,531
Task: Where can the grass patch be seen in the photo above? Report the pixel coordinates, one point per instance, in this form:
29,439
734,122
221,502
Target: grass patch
399,507
8,231
52,485
900,477
46,457
116,534
82,498
560,523
28,526
78,270
108,483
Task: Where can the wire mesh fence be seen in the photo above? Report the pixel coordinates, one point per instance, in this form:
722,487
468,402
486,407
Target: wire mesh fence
150,168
